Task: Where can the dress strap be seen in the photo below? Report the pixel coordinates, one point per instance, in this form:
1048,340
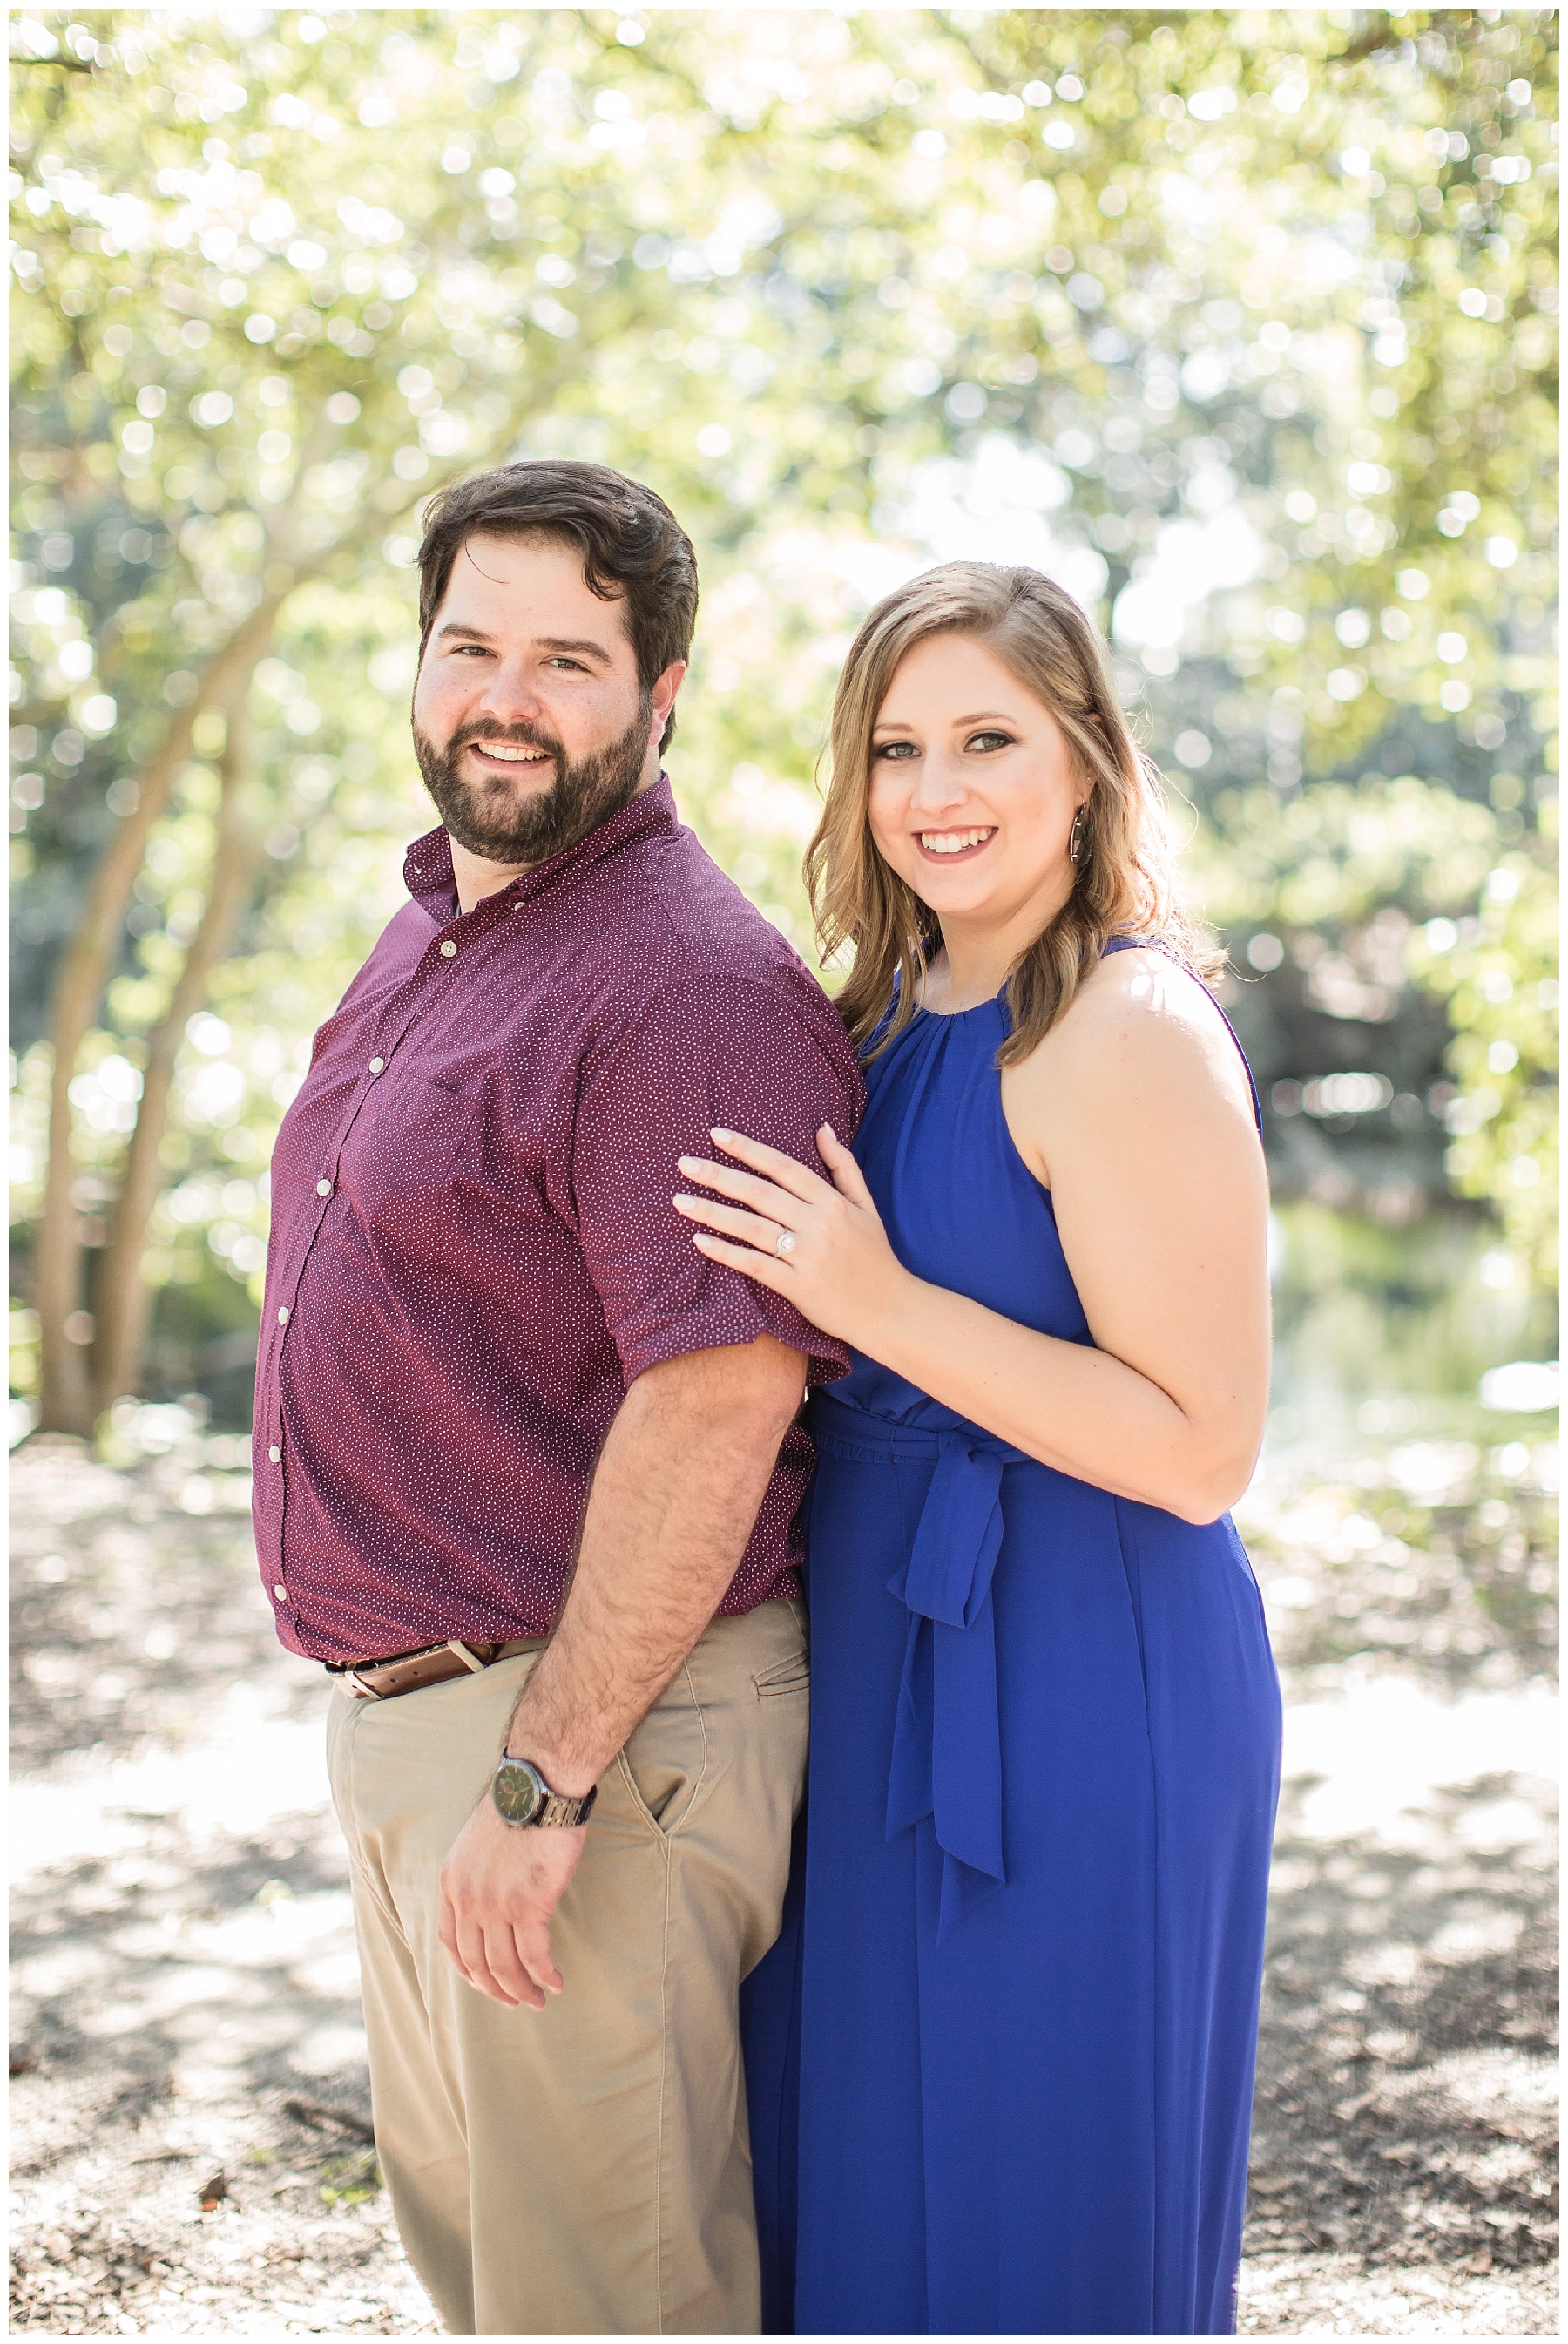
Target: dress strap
1156,943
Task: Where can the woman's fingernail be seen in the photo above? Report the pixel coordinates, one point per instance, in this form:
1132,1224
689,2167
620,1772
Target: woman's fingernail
688,1164
720,1134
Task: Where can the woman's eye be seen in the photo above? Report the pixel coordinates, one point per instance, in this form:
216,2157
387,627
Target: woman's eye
984,740
900,751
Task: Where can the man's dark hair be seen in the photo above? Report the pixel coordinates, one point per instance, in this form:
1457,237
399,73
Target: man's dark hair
630,542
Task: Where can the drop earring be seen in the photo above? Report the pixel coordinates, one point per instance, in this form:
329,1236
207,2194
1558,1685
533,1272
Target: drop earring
1077,835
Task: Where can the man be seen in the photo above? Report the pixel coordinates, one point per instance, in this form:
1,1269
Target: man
527,1465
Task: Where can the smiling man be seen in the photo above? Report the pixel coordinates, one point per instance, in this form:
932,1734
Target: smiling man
527,1465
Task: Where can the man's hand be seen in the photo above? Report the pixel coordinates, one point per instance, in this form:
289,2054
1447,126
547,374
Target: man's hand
675,1495
500,1886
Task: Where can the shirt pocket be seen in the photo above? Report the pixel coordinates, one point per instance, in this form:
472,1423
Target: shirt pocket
400,1159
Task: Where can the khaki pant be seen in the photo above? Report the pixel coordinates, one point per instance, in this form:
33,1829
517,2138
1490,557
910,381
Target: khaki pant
583,2170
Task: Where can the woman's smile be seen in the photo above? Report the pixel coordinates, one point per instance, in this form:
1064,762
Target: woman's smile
955,845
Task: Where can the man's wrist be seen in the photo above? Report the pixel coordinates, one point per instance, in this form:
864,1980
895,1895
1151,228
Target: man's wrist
571,1782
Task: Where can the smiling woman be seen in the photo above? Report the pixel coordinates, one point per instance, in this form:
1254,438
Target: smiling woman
1045,1721
1040,703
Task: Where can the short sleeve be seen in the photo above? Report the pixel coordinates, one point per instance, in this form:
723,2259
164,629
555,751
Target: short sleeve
725,1052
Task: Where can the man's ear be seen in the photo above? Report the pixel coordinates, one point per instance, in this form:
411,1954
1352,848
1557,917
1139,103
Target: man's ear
665,691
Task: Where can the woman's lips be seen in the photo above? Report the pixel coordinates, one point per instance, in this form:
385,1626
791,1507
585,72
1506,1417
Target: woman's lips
956,845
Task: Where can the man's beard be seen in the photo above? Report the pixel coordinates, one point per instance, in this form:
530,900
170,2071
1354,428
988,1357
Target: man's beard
486,817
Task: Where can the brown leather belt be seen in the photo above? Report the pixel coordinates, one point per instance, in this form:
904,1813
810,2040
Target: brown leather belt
431,1665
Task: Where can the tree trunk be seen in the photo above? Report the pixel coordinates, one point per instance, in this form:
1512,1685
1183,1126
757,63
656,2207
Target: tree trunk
69,1382
85,968
122,1297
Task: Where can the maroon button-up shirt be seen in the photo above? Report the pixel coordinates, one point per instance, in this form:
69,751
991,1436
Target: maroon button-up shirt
474,1251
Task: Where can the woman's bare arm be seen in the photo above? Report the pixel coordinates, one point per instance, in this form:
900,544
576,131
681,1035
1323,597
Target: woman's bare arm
1135,1112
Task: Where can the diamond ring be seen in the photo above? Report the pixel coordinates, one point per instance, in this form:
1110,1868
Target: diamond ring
785,1242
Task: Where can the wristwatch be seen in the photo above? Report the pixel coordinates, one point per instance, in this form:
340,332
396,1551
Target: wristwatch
523,1797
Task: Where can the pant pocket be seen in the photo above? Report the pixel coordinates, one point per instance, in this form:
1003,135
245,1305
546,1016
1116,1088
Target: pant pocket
790,1675
664,1762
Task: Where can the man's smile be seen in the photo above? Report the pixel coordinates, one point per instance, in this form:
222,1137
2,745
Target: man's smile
509,752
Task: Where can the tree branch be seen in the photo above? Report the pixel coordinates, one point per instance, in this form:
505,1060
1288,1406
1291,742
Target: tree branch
122,1299
66,1397
1379,34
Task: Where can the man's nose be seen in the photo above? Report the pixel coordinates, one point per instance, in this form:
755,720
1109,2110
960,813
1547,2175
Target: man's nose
511,693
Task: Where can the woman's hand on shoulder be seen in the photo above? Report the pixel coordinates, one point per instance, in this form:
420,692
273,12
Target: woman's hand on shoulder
836,1265
1137,1112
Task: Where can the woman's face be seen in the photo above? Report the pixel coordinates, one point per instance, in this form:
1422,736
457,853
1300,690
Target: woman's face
973,788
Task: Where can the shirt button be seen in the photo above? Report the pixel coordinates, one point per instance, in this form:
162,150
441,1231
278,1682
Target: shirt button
324,1188
283,1317
281,1594
376,1065
274,1453
448,950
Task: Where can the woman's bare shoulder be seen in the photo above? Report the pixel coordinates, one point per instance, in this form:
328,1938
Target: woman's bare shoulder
1138,1029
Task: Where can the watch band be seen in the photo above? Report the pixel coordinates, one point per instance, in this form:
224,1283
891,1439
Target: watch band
563,1812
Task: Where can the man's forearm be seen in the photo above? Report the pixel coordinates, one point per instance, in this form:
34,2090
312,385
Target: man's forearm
680,1481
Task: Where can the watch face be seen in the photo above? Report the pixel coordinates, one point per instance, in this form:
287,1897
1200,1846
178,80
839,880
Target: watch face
518,1791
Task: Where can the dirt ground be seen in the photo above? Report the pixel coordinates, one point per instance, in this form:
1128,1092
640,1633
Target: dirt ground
189,2107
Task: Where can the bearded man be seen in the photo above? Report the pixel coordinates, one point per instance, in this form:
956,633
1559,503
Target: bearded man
528,1466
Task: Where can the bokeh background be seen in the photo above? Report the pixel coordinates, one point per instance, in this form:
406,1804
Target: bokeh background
1243,326
1240,324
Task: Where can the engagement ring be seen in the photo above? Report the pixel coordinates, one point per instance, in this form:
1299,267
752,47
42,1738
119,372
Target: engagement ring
786,1241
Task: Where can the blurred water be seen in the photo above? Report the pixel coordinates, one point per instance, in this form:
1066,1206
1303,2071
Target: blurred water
1386,1334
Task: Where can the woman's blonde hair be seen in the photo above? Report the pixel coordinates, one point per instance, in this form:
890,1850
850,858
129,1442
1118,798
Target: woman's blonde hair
1123,878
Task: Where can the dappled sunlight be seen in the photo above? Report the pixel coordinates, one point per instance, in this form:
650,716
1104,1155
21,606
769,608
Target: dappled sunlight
186,1990
1242,327
1405,2136
185,1996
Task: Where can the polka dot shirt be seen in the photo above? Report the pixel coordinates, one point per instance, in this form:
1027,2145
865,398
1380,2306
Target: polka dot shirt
474,1251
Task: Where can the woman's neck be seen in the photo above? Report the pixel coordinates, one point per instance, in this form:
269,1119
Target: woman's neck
978,956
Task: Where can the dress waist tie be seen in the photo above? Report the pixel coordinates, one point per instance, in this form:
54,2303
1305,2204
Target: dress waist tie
946,1757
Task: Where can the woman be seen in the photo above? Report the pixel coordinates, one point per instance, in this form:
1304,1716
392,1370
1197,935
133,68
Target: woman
1045,1719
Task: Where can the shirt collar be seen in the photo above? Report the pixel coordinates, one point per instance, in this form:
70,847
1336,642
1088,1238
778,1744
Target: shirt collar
428,866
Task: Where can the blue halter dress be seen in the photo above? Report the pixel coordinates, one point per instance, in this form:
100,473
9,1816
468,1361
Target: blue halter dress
1001,2060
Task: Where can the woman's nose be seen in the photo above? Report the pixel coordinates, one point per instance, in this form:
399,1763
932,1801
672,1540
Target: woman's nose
939,782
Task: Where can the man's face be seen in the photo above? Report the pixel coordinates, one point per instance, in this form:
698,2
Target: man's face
530,725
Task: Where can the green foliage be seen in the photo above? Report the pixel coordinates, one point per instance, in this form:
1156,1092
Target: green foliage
351,2179
1338,853
1497,971
1240,323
